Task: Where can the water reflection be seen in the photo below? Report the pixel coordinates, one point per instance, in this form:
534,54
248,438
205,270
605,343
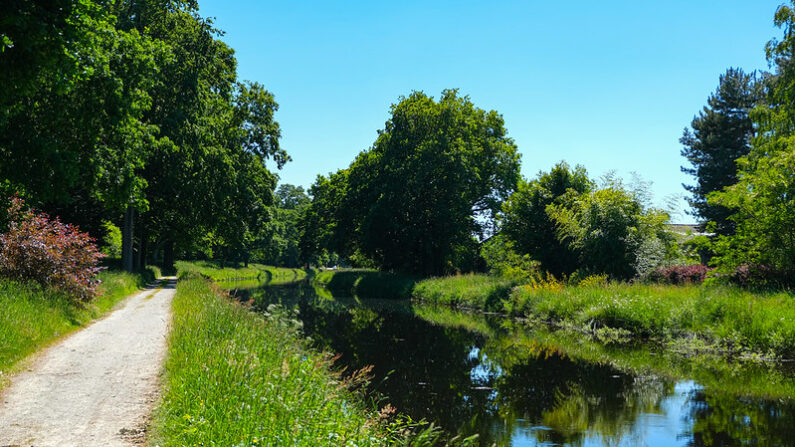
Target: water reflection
516,386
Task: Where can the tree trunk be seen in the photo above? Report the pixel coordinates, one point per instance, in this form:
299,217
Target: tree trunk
168,257
127,239
142,248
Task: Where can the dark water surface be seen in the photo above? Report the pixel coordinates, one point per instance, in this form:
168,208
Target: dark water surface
520,386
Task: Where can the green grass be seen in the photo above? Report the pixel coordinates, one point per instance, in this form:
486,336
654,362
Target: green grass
733,319
473,291
214,271
715,318
239,379
32,316
367,283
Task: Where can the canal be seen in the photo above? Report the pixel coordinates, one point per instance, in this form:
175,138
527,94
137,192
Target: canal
516,384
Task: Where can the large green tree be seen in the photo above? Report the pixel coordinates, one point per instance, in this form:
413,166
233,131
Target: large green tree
721,133
431,184
280,238
528,226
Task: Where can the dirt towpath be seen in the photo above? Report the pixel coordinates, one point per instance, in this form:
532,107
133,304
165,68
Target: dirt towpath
96,387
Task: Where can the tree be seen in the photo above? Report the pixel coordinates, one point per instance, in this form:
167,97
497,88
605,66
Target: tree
526,224
614,232
721,134
763,199
279,240
434,179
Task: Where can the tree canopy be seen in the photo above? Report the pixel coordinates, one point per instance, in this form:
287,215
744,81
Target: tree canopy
133,111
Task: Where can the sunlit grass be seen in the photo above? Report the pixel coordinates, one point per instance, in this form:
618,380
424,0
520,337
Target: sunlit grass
234,377
735,319
474,291
33,316
259,272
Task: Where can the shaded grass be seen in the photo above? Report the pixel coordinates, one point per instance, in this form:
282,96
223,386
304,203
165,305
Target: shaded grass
237,378
32,316
367,283
734,319
484,292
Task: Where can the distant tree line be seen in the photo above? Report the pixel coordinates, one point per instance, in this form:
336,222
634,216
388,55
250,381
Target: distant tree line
439,192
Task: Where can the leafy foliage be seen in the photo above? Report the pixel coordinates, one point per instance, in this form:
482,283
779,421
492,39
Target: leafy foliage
763,199
528,226
49,252
502,260
614,232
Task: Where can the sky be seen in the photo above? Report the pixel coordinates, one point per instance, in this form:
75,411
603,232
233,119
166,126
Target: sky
609,85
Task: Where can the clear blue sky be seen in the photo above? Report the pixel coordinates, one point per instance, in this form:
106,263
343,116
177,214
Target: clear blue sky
609,85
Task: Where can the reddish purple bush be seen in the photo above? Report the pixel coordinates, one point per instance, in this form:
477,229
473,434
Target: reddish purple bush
47,251
680,274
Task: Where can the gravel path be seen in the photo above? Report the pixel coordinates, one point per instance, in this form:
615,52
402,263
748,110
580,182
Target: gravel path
96,387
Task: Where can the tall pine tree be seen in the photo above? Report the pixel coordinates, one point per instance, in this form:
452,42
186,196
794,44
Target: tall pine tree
721,133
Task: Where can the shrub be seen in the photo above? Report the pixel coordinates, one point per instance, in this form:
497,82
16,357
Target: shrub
760,276
679,274
39,248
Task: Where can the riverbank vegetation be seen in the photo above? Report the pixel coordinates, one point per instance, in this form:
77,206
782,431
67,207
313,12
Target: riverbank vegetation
717,318
234,377
217,272
514,341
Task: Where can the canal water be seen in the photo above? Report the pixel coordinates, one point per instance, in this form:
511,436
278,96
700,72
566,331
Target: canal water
516,385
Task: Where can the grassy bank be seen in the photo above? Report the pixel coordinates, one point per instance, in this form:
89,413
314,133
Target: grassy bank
369,283
235,378
712,318
33,317
472,291
214,271
730,318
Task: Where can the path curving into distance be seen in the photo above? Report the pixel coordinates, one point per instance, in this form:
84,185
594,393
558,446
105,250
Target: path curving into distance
97,386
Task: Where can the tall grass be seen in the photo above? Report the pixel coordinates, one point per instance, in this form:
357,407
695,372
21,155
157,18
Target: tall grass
33,316
484,292
367,283
237,378
735,319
